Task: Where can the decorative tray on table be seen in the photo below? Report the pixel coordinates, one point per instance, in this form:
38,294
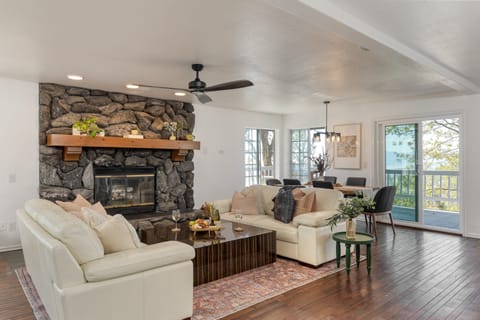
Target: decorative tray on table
201,225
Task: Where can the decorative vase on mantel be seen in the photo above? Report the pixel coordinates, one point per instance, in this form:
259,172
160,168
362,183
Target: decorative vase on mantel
172,137
351,229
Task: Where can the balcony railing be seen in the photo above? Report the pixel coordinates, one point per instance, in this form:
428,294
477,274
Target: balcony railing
440,188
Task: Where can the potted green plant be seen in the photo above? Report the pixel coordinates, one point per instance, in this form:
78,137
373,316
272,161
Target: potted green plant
88,127
348,210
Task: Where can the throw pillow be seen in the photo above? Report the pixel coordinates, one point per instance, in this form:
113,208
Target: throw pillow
284,205
115,235
303,202
74,207
94,219
247,204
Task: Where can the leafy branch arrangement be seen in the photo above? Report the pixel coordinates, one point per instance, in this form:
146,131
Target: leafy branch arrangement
350,209
88,126
322,162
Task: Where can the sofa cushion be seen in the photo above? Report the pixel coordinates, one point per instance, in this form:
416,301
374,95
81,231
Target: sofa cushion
115,235
137,260
304,202
284,232
245,203
77,236
313,219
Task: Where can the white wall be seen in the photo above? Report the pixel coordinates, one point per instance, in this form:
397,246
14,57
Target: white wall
368,114
19,159
219,164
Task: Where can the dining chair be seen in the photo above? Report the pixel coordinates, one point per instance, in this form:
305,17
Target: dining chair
292,182
322,184
273,182
356,181
331,179
383,206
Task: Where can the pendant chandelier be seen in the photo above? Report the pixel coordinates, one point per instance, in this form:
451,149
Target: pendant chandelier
330,136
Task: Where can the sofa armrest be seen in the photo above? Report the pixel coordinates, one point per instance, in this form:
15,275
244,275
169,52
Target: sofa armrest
223,205
313,219
136,260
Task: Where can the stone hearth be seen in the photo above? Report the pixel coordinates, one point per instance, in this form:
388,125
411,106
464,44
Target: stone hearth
117,113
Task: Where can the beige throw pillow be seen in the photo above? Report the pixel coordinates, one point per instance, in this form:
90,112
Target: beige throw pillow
115,235
75,207
247,204
303,202
94,219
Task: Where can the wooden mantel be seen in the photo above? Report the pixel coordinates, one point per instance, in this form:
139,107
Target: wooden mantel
72,145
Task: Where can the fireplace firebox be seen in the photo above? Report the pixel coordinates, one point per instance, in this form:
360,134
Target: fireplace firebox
125,190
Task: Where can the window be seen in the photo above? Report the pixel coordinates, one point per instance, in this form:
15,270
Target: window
259,155
302,147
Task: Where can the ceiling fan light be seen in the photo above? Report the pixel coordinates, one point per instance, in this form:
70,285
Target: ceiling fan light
132,86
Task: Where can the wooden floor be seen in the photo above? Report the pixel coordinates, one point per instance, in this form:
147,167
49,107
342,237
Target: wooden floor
415,275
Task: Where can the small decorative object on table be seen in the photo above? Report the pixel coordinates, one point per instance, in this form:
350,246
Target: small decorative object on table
88,127
349,209
134,134
211,211
322,162
175,217
172,128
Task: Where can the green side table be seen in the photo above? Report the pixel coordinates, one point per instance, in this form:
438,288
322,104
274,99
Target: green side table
360,238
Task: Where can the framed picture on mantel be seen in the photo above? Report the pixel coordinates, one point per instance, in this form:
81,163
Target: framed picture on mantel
347,150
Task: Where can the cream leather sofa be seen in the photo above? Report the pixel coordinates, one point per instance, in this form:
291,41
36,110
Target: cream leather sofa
307,238
76,281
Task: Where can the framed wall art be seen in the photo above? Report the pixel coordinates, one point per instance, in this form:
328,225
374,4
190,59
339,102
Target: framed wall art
348,149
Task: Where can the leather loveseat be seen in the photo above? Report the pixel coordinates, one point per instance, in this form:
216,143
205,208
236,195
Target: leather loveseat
76,280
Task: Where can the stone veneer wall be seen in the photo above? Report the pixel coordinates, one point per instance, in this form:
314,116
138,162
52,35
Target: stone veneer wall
117,113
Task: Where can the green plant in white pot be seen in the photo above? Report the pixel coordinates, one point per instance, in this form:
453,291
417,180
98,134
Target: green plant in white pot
88,127
348,210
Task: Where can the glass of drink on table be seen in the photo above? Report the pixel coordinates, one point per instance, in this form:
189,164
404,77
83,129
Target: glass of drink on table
175,217
238,217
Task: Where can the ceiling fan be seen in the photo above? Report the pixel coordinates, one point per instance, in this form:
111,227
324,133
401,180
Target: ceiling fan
198,87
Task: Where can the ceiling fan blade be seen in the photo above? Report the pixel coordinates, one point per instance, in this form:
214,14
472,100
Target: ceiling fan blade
230,85
159,87
202,97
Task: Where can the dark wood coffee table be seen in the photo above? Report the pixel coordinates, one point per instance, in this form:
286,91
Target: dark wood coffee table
217,255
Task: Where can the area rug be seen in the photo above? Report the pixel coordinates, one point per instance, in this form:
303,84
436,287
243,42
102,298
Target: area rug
220,298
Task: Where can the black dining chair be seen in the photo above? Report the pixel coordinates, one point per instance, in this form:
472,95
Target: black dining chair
322,184
292,182
331,179
383,206
273,182
356,181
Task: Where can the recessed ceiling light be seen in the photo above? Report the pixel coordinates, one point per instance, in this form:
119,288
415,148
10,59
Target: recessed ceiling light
180,94
74,77
132,86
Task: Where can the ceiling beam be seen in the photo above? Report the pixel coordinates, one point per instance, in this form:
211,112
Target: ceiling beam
326,14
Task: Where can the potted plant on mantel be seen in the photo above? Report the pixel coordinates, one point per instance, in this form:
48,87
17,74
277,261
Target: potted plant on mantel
88,127
348,210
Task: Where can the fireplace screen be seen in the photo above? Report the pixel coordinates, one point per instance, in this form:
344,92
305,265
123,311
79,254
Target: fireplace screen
125,190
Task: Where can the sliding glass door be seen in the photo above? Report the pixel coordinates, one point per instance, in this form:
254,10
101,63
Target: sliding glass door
422,159
401,169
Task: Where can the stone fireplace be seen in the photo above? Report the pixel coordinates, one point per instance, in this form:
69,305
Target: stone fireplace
117,114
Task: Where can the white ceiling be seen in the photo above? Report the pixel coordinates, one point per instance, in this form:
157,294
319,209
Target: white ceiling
296,52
